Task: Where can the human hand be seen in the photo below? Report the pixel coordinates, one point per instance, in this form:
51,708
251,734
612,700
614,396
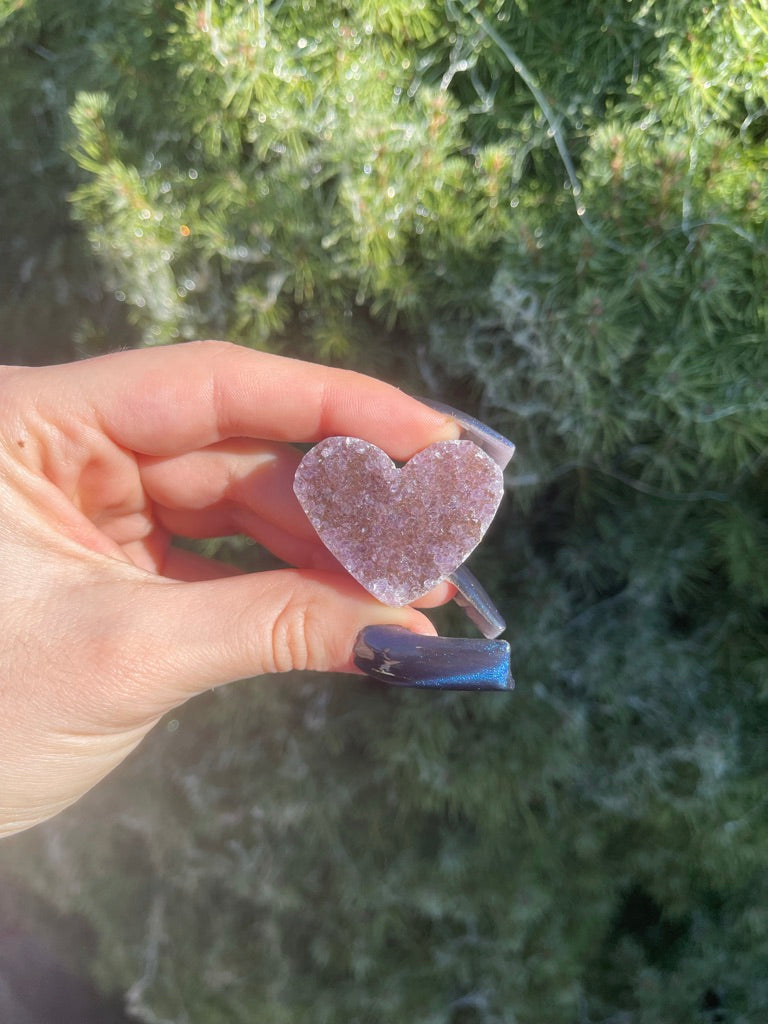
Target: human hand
104,624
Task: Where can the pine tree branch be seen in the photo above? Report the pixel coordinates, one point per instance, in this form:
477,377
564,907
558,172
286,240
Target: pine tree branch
552,119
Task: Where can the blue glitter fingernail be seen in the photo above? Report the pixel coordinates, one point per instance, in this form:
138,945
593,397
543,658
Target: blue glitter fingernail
394,655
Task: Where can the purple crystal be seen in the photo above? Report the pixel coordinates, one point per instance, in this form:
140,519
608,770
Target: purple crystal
399,532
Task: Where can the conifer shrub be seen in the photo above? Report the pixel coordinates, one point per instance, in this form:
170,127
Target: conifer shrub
553,215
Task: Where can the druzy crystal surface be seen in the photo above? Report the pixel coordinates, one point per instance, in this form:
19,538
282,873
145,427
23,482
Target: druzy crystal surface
399,532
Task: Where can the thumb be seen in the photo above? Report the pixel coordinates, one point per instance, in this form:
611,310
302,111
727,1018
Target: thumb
198,635
115,655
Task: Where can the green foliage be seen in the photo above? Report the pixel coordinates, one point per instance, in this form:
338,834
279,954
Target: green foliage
321,168
556,212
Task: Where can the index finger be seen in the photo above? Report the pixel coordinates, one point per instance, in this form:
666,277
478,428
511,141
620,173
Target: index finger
170,400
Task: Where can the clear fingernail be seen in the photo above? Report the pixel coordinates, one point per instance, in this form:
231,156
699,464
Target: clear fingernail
474,601
500,448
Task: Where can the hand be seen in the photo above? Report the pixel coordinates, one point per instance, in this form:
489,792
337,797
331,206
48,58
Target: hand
104,625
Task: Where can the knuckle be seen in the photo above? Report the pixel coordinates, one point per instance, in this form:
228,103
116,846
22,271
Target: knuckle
215,346
297,635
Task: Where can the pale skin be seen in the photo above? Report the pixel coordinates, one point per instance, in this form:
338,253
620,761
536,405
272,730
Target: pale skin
105,626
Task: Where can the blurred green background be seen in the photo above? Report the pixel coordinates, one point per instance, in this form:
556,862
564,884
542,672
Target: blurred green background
553,215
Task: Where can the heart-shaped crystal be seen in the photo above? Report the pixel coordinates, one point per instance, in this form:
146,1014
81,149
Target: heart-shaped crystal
399,532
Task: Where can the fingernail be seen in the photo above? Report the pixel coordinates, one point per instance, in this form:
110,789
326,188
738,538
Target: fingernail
394,655
476,604
500,448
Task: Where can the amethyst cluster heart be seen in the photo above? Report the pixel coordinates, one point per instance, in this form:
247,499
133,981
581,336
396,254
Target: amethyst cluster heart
399,532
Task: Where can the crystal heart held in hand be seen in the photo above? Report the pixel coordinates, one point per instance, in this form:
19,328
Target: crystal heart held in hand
399,532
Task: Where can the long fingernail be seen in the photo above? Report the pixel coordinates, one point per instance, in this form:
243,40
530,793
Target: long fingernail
476,604
500,448
394,655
